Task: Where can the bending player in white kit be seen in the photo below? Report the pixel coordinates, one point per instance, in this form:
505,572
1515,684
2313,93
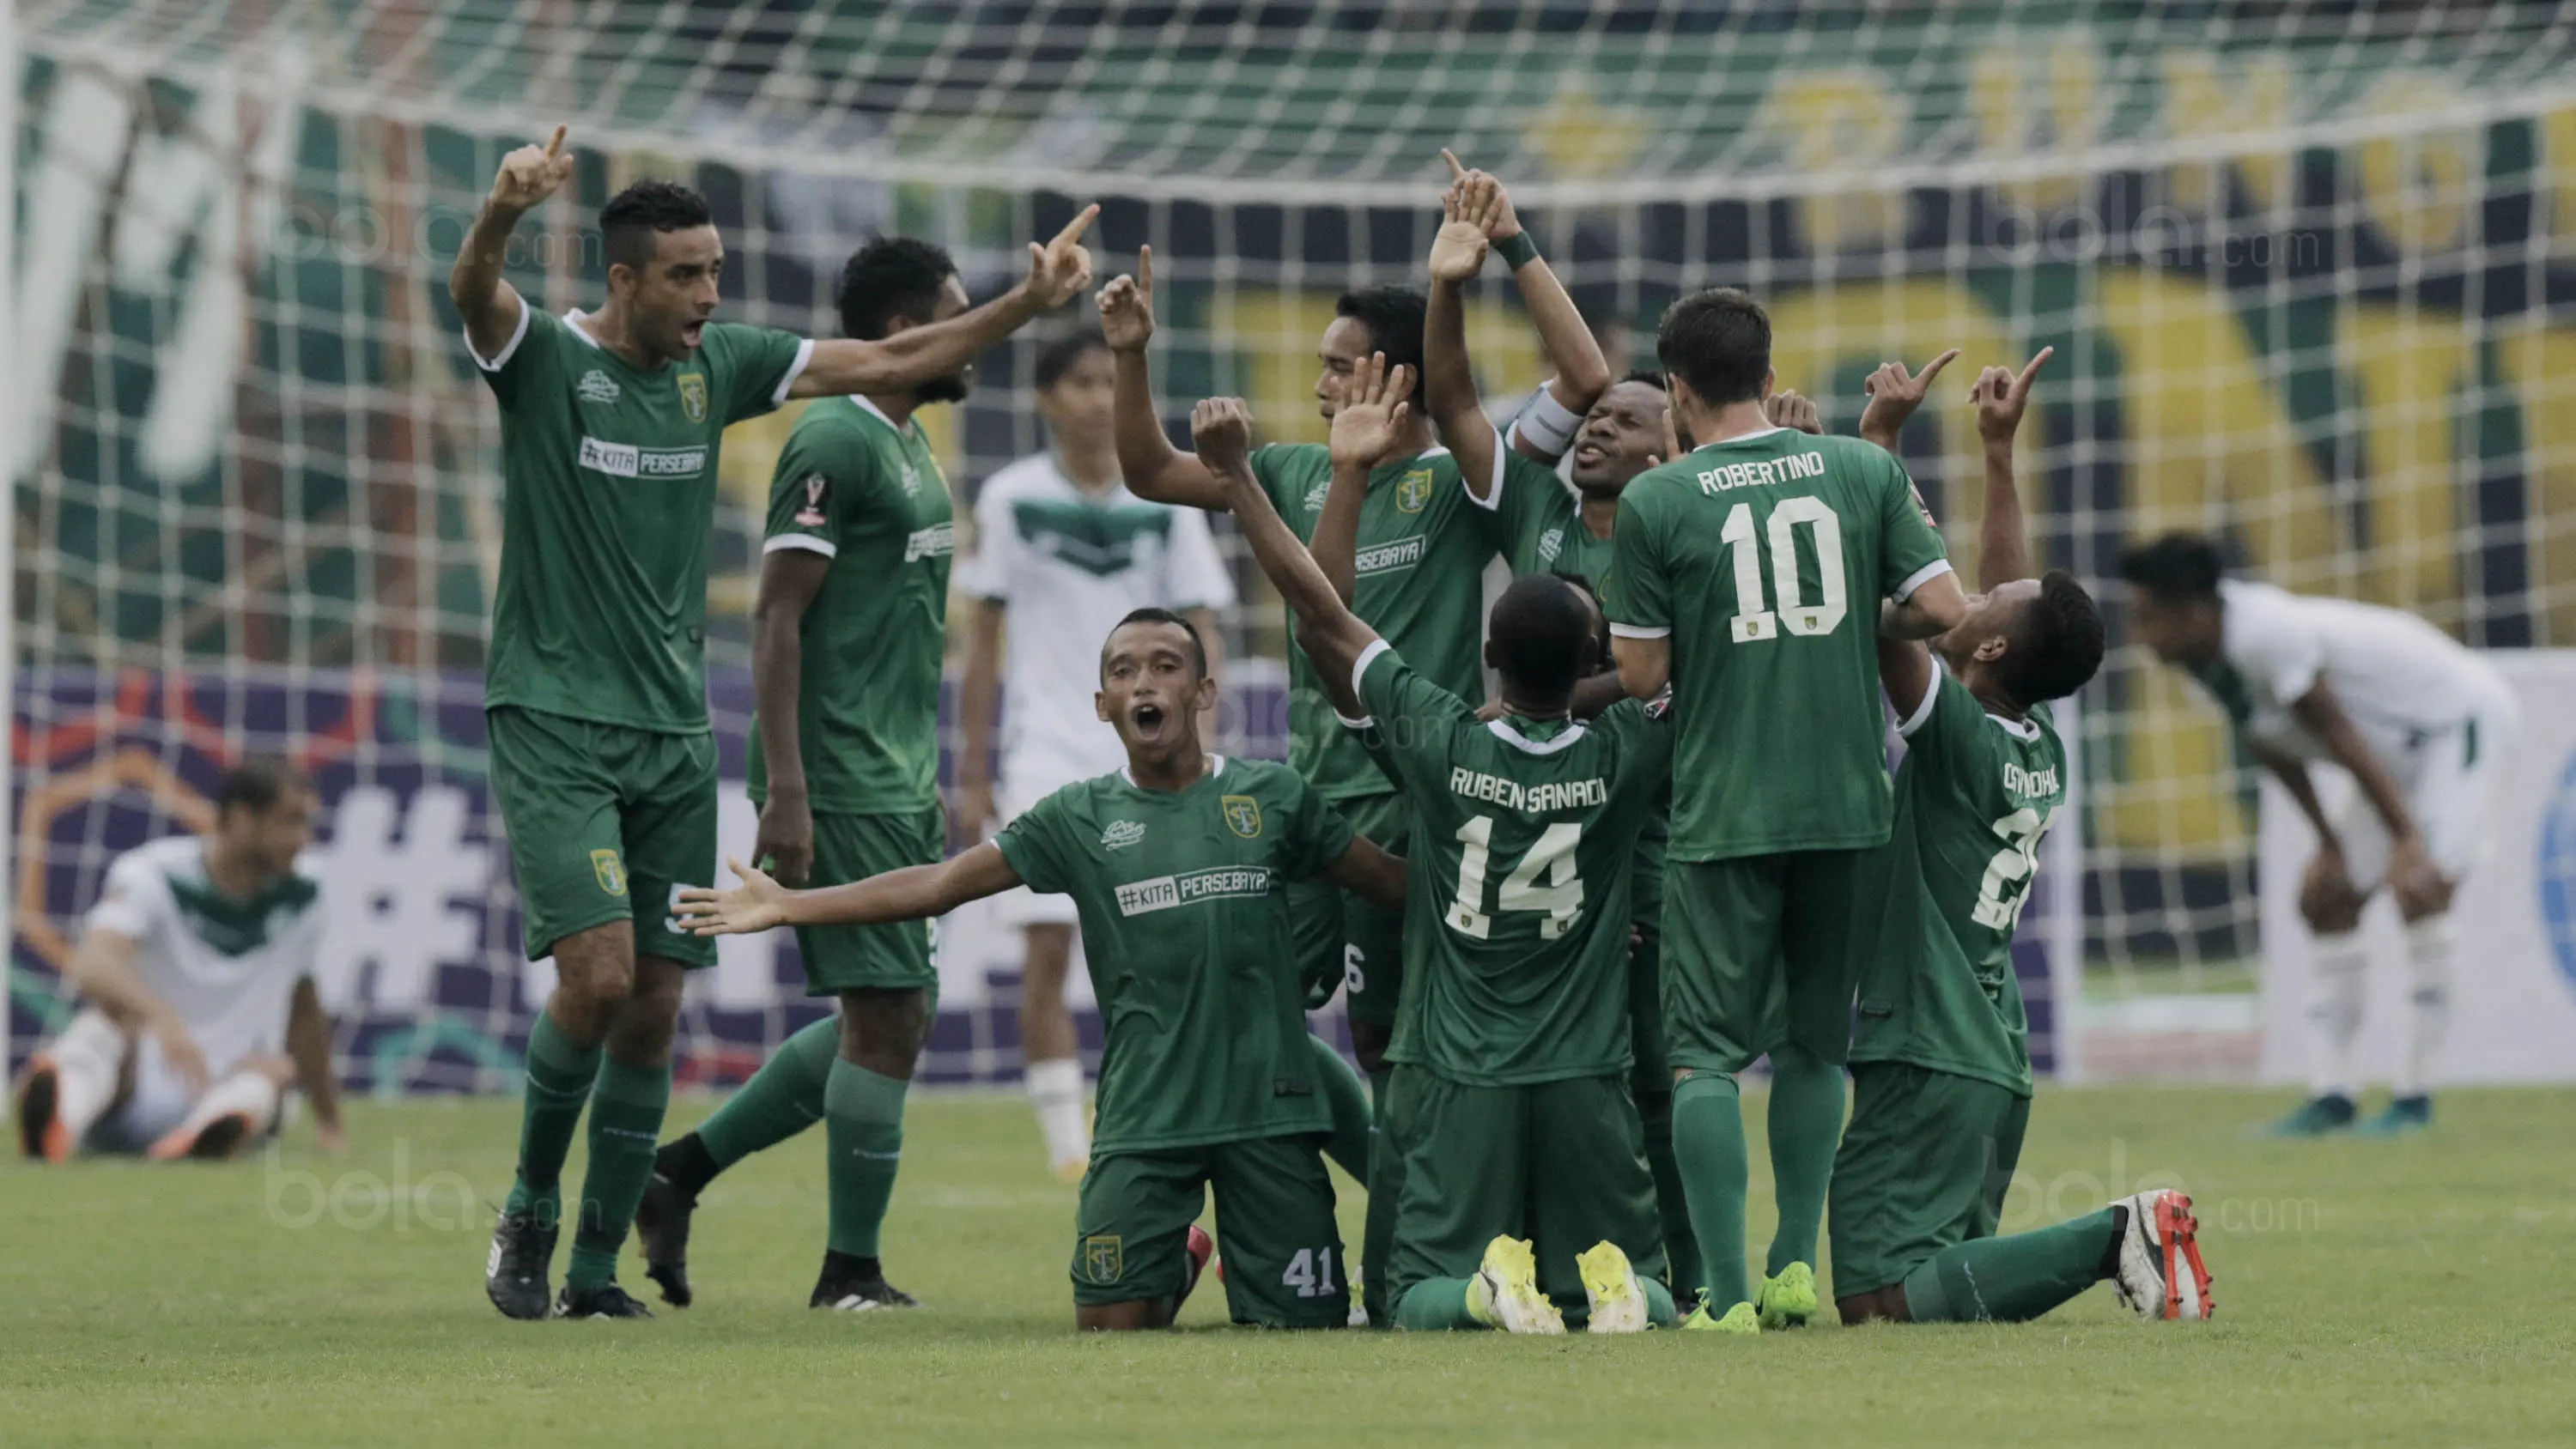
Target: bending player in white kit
196,977
2424,726
1063,552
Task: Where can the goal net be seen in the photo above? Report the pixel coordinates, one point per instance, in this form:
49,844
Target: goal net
2302,263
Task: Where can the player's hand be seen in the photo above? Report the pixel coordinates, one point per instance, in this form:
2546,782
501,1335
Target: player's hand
974,811
1221,434
755,905
1060,270
1369,425
529,175
2000,396
1127,306
1458,249
1793,410
2328,900
2418,884
1492,208
786,838
1672,441
1894,394
1490,711
179,1048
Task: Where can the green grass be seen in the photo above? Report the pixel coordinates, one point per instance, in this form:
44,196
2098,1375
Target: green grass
2418,1291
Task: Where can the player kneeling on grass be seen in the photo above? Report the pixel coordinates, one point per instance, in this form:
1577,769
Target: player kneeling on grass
1511,1102
197,982
1177,865
1941,1058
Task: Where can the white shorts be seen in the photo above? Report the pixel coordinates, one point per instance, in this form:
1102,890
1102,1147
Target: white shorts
1020,908
160,1101
2451,782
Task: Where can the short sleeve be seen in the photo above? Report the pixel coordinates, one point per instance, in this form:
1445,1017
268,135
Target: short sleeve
1528,500
1638,597
761,364
1198,578
2273,644
530,350
1318,833
1270,464
987,572
133,901
1910,552
1646,726
823,476
1415,718
1034,844
1947,722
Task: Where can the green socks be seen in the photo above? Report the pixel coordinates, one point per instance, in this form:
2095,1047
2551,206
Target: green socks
559,1075
1681,1246
625,1122
1806,1127
1348,1097
863,1122
1708,1151
782,1099
2007,1280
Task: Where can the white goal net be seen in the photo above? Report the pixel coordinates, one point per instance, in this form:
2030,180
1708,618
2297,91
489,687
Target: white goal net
2303,263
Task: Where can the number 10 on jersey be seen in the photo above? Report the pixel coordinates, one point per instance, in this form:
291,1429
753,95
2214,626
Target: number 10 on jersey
1753,622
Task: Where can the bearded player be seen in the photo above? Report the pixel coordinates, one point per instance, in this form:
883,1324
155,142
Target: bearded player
595,697
1177,863
1941,1059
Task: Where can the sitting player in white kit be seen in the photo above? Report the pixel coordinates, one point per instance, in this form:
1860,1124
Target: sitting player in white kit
2424,726
198,1008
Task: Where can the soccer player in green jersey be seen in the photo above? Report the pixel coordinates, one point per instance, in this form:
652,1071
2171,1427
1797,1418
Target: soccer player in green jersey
1425,539
602,759
1514,1050
1941,1063
1748,575
845,767
1177,865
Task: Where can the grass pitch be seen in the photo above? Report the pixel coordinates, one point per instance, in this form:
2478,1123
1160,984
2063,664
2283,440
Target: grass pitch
2419,1291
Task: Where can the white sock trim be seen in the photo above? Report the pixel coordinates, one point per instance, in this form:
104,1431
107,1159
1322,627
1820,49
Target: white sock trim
1055,1090
2432,945
2342,965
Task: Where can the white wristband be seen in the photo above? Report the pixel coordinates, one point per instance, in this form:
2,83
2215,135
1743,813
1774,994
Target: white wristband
1548,424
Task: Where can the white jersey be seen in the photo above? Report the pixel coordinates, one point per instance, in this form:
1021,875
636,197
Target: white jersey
1069,565
227,967
2406,685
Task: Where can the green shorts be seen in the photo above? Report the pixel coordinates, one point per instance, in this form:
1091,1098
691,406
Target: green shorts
1347,941
606,823
1923,1165
1756,954
900,957
1274,1226
1560,1163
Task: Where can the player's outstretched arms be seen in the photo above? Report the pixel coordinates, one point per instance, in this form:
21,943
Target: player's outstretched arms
914,893
1547,429
490,306
2000,396
1059,271
1448,379
1327,630
1894,394
1370,872
1153,469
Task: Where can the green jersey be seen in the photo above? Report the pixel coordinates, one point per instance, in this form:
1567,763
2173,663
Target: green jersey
869,496
1517,902
1973,797
1424,543
607,511
1185,929
1763,558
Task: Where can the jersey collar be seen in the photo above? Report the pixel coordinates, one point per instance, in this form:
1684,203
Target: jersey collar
860,401
1741,438
1216,767
1508,733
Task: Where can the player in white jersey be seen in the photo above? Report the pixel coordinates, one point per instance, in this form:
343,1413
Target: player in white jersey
2425,728
196,978
1062,553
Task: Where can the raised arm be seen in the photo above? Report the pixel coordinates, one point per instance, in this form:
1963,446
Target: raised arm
1448,379
490,306
2000,396
1934,608
1155,470
1894,394
1367,428
1371,872
789,580
1327,630
1059,271
914,893
1582,373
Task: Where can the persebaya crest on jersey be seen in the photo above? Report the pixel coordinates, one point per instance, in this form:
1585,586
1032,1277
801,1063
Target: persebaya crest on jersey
1104,1257
1243,816
611,871
693,396
1413,490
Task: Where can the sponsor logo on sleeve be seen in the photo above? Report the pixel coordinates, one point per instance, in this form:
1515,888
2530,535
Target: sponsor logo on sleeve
597,387
1121,834
693,396
1242,815
817,489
